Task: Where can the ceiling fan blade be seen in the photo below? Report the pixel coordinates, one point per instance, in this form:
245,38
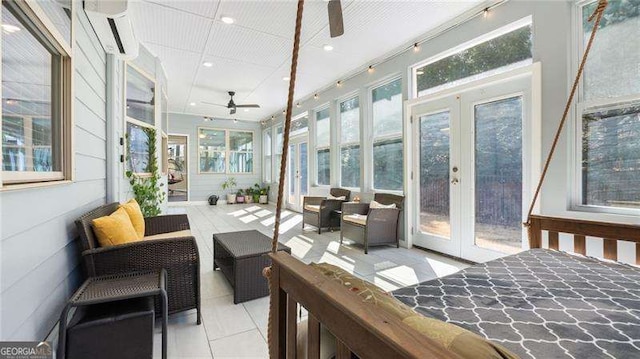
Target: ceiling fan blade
252,105
336,25
213,104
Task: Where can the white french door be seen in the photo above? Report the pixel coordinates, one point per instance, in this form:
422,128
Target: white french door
473,164
297,173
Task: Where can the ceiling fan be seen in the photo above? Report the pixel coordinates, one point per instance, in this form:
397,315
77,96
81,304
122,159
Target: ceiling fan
232,105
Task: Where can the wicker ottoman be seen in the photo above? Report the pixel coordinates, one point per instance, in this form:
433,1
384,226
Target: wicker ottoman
241,256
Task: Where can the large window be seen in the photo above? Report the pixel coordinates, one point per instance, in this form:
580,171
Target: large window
609,108
350,143
386,114
140,95
225,151
299,125
36,95
267,148
481,58
278,156
323,147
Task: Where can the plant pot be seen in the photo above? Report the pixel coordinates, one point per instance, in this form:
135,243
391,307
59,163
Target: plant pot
231,198
239,199
248,199
264,199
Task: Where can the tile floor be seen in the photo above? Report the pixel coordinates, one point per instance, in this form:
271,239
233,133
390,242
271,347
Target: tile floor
240,331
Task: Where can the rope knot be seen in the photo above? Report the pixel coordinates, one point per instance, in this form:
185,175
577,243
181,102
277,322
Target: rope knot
266,272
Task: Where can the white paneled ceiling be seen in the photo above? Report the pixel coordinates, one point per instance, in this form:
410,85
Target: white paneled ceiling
252,55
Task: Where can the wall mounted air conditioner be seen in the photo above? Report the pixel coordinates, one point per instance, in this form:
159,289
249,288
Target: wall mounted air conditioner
112,23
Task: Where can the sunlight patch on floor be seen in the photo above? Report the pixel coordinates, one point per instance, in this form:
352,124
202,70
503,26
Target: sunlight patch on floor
337,261
238,213
248,218
271,220
263,213
290,223
403,274
299,247
252,209
441,268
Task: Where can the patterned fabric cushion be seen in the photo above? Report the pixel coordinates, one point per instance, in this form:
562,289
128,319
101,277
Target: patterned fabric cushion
312,207
356,218
453,338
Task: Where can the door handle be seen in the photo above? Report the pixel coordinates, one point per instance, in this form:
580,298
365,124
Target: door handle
454,181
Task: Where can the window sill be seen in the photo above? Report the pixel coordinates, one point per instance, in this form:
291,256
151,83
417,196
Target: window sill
34,185
601,214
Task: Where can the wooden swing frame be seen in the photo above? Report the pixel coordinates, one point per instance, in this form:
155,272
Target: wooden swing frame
361,328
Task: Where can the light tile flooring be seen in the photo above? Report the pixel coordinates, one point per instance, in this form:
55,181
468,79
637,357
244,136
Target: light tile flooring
240,331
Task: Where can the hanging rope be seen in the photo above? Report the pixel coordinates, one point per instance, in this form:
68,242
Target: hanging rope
597,15
283,163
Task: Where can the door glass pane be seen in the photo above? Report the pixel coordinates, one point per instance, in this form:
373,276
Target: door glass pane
304,173
292,174
498,175
434,174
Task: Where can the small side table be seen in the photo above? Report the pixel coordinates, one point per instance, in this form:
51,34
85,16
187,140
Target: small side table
111,288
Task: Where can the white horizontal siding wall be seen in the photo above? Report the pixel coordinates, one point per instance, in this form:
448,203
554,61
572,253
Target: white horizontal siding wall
39,256
201,186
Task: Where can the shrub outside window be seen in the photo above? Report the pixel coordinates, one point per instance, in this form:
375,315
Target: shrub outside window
350,143
36,96
609,109
495,55
388,162
323,149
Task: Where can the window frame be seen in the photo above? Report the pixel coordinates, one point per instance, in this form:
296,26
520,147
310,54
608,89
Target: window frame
317,148
575,155
39,25
227,151
348,97
136,121
388,137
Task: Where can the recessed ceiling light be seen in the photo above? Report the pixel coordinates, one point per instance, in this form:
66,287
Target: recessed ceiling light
192,103
10,29
419,72
286,78
235,120
227,20
327,47
246,110
207,64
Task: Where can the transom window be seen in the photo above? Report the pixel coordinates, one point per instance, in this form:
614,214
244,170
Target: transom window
299,125
323,147
491,54
36,95
609,108
225,151
388,165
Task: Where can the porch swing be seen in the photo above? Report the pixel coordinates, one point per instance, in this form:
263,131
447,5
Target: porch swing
361,328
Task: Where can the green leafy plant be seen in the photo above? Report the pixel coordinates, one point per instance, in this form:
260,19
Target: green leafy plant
147,188
229,184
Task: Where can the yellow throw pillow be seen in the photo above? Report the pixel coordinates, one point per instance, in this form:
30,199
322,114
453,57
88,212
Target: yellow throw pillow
135,214
114,229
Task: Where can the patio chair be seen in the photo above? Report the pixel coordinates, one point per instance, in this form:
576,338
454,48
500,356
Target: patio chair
322,212
372,226
168,244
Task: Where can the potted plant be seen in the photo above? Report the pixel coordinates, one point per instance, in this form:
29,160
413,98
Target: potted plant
240,196
230,184
255,193
249,195
263,193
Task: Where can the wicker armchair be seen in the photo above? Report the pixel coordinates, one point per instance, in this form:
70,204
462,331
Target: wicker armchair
319,211
372,226
177,255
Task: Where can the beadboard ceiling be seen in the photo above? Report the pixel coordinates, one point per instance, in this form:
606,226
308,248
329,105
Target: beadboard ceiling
252,55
